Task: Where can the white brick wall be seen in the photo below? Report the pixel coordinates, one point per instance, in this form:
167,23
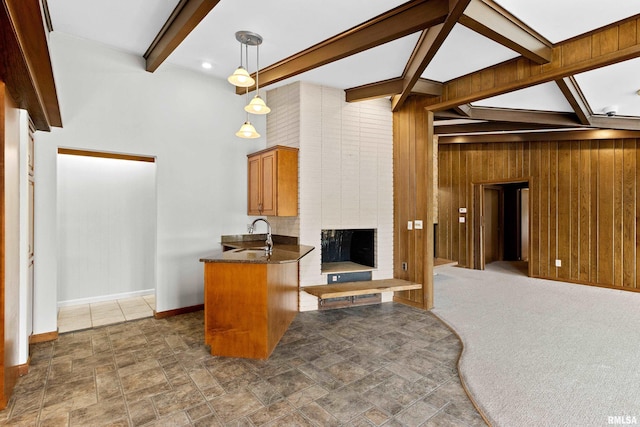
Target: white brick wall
345,171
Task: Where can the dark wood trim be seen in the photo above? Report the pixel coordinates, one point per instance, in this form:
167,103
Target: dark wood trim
118,156
568,135
44,337
429,43
25,65
47,16
415,15
177,311
492,21
572,92
606,46
24,368
184,18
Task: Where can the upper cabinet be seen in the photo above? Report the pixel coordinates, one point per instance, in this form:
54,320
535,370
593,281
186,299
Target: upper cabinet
273,182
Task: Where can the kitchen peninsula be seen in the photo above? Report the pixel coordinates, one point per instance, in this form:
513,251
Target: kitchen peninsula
250,295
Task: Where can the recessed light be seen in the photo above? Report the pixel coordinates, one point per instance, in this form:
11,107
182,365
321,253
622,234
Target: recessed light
207,65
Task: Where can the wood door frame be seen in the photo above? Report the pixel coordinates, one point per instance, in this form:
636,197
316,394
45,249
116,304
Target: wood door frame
476,238
500,248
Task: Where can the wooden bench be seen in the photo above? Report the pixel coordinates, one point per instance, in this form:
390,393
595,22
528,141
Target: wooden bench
346,294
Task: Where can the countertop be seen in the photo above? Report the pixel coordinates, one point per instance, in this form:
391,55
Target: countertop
285,249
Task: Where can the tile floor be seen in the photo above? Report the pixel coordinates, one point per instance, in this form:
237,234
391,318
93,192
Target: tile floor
78,317
385,364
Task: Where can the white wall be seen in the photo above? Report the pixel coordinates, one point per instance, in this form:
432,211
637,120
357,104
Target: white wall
185,119
106,228
345,168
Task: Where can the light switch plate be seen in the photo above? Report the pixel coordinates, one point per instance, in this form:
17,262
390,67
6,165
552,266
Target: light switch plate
418,224
410,225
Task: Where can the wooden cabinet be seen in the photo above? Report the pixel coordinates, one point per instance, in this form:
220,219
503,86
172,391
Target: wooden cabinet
248,306
273,182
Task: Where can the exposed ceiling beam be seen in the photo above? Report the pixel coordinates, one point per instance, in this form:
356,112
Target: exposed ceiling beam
427,87
516,116
25,65
566,135
606,46
625,123
401,21
489,127
184,18
391,87
494,22
576,98
430,41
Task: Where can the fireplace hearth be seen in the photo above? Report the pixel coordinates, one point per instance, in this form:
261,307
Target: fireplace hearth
348,250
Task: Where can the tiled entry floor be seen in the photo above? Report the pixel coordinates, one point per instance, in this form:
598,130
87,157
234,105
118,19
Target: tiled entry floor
385,364
78,317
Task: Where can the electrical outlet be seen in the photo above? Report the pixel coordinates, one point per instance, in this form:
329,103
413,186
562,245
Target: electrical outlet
405,267
558,263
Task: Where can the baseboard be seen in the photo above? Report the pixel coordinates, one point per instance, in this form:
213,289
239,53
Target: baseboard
24,369
123,295
47,336
177,311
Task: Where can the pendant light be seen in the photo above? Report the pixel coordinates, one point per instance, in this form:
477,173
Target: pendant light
257,104
247,130
240,76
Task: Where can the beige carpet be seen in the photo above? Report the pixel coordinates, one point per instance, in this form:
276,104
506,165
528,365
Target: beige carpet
543,353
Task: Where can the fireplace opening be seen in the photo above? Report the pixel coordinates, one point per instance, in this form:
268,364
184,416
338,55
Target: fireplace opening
348,250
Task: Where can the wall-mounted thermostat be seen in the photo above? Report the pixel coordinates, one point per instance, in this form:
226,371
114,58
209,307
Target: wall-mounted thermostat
462,210
418,224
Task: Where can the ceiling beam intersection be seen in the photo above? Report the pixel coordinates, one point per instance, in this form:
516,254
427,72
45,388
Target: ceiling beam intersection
572,92
609,45
430,41
492,21
413,16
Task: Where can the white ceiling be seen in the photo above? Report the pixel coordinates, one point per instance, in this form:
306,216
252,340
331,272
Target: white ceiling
290,26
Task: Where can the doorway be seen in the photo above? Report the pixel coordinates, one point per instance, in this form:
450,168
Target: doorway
501,227
106,238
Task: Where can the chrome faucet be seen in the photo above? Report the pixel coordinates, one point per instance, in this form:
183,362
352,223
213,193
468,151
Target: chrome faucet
269,241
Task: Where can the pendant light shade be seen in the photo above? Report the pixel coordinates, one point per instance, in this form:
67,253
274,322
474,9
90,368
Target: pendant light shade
247,131
241,78
257,106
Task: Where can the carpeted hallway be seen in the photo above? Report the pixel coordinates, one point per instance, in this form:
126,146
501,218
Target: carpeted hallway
540,352
386,364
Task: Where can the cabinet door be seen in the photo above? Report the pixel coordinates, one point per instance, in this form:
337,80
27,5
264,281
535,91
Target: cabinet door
254,179
269,188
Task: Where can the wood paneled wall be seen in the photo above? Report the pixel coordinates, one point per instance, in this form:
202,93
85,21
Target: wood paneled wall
413,200
584,198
